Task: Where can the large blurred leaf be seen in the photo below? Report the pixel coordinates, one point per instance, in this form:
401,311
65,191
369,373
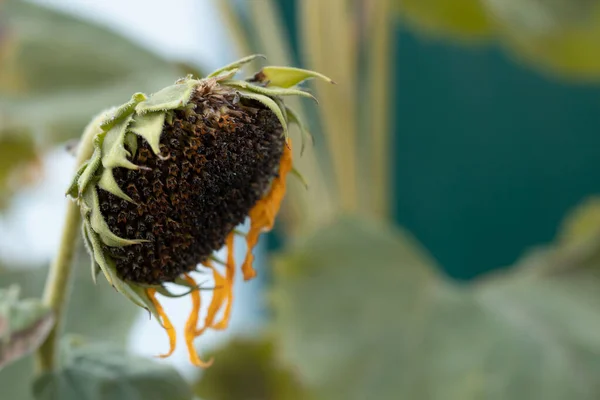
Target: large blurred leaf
24,324
462,19
361,317
99,372
19,164
559,36
248,370
95,311
583,223
67,71
347,303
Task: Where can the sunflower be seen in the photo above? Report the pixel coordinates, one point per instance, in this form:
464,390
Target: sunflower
174,173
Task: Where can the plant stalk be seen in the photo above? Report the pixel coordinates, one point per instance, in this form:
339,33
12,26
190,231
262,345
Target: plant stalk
57,290
381,53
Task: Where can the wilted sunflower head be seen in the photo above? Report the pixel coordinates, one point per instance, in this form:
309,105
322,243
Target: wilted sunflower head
174,173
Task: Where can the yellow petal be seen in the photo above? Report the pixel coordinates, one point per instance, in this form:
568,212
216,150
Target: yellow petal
262,216
191,326
229,279
151,292
219,297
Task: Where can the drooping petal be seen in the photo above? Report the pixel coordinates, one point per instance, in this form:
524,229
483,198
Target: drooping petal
151,292
262,216
218,298
229,279
191,326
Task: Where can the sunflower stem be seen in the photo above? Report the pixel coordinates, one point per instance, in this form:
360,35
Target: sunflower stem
57,290
381,53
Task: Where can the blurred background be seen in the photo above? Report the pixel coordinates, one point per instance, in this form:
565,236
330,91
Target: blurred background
448,245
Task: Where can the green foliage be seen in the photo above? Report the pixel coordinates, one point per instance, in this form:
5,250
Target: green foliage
99,372
247,370
18,156
51,84
462,19
69,75
362,316
94,312
348,305
23,325
559,36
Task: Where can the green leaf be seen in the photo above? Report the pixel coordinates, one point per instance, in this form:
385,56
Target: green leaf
249,369
95,311
361,316
19,163
52,83
457,19
24,324
560,36
99,372
346,303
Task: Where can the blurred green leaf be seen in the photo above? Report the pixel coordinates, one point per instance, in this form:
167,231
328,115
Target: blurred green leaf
362,316
24,324
99,372
581,224
95,311
347,305
459,19
513,338
249,370
19,164
559,36
59,71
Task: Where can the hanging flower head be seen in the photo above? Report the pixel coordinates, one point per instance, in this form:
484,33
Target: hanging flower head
174,173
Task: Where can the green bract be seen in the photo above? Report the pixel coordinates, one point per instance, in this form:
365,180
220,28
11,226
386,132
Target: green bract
115,141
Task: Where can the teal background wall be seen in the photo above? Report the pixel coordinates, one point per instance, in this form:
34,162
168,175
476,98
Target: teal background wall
489,155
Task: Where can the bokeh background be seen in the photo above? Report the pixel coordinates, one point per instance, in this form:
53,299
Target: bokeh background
448,244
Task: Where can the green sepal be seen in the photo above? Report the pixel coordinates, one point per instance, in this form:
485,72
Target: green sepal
95,268
149,126
237,232
114,153
99,225
235,66
134,293
98,253
169,117
287,77
304,133
170,98
73,189
167,293
107,182
116,115
269,91
271,104
87,175
131,141
300,177
217,260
